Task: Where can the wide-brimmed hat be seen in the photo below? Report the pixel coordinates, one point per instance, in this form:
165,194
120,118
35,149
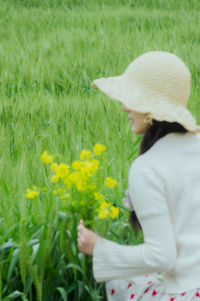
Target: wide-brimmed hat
157,83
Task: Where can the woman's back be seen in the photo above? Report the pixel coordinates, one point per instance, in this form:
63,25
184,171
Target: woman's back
176,159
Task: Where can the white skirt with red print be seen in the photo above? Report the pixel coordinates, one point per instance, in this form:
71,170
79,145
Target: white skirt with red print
145,288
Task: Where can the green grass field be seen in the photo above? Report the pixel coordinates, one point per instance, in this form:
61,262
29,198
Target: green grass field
50,51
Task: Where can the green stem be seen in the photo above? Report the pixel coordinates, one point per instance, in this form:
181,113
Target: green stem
107,223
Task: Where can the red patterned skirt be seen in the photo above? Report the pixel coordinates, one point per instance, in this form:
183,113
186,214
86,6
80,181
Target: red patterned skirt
144,288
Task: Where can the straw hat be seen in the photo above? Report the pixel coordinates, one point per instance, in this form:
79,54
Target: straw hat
157,83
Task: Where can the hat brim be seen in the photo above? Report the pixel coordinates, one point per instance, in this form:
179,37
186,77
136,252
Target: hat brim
143,100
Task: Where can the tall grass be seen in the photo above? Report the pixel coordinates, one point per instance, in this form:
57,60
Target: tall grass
50,51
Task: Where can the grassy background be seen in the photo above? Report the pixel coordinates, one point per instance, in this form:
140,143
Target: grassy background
50,51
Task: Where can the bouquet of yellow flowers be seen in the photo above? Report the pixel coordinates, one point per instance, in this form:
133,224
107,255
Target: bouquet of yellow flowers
78,187
80,190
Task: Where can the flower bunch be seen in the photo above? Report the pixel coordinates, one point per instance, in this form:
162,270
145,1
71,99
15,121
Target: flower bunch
77,186
105,209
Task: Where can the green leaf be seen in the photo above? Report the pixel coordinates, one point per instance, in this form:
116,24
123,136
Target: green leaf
29,281
62,292
74,266
4,186
15,257
71,287
7,245
24,298
13,295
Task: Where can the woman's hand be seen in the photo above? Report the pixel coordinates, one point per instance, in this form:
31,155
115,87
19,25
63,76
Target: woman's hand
86,239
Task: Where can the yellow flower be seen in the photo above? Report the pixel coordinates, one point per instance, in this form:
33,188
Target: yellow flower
98,149
74,177
103,212
76,165
54,179
44,188
68,182
53,166
104,204
114,211
98,196
82,203
85,154
62,170
46,158
110,182
89,168
35,187
81,185
86,173
30,194
95,164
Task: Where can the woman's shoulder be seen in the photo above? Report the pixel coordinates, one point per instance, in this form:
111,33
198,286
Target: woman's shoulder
149,161
141,163
165,153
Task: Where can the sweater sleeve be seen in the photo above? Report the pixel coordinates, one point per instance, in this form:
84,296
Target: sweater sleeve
158,252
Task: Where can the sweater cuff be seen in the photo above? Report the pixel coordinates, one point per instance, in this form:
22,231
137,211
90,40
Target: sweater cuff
114,261
97,252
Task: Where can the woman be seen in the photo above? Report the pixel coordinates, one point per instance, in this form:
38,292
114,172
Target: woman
164,187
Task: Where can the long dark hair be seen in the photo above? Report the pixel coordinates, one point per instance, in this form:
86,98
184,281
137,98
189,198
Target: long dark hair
157,130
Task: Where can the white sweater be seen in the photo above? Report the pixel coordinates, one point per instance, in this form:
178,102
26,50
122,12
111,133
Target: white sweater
164,185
